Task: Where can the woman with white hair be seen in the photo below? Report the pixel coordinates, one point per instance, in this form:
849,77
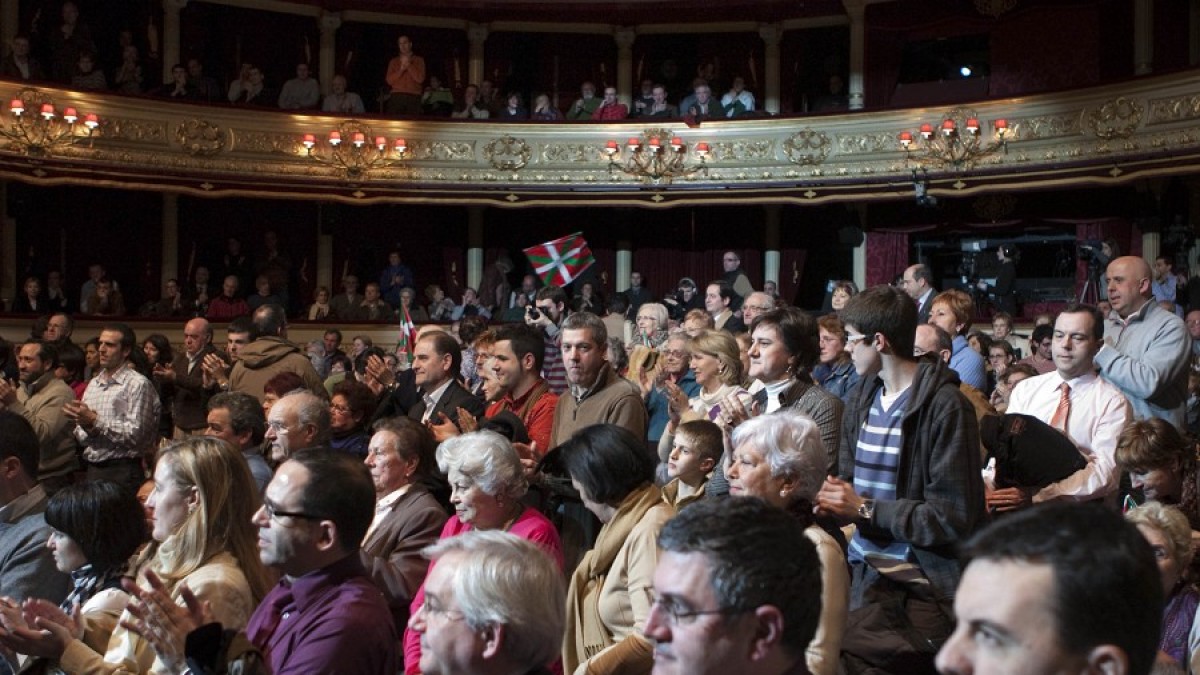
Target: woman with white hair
487,482
651,325
780,459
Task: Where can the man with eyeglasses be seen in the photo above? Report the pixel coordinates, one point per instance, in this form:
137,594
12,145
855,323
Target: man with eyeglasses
756,303
737,590
297,421
1073,399
324,616
908,477
495,604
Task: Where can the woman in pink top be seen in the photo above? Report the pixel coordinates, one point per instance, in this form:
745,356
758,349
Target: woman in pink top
487,482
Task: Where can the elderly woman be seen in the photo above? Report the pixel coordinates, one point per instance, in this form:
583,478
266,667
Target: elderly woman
440,307
487,482
651,325
835,372
98,526
717,366
1162,464
350,411
780,459
1170,537
200,512
609,598
842,292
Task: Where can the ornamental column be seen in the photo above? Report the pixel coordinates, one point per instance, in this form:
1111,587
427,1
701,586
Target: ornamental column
1143,37
625,38
771,246
477,34
474,246
326,69
170,237
857,10
170,44
624,265
9,17
771,35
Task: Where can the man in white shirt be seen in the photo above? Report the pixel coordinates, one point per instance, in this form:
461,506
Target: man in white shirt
437,360
1073,399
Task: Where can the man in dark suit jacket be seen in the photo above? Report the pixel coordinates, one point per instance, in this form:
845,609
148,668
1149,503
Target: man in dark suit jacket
437,360
918,284
407,517
189,407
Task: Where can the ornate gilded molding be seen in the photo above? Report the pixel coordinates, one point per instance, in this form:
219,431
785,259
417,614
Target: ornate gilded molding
1117,118
200,137
1145,126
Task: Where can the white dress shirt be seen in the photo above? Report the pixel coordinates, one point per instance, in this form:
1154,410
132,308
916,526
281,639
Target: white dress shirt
1098,413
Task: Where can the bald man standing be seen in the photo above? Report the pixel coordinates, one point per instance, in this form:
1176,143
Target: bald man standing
1146,348
189,405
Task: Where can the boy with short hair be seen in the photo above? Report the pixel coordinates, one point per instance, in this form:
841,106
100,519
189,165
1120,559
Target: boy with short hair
698,447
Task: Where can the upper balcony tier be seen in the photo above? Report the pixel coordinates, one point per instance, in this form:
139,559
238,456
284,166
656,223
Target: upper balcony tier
1108,134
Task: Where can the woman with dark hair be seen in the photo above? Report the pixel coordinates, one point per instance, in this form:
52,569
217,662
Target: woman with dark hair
1162,463
514,108
202,538
350,411
159,356
98,526
71,363
279,386
91,358
609,598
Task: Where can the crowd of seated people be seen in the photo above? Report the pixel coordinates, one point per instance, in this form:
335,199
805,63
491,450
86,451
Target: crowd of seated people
408,88
621,490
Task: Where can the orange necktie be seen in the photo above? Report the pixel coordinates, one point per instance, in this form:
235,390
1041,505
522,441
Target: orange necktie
1063,411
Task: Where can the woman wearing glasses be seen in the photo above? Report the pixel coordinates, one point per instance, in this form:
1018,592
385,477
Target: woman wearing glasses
200,510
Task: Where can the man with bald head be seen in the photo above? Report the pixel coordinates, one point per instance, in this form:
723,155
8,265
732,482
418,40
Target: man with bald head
1146,348
189,406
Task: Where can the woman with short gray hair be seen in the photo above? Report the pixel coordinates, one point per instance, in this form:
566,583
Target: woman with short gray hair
487,481
781,460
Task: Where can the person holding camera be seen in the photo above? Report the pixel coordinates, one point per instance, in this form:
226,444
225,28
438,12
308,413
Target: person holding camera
1004,291
546,314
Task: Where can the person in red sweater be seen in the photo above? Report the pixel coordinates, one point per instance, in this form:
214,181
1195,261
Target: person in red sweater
227,306
406,77
610,108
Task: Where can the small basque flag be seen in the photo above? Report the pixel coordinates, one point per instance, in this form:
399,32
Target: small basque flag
561,261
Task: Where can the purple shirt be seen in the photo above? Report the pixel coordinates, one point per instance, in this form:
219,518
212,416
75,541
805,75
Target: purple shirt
337,622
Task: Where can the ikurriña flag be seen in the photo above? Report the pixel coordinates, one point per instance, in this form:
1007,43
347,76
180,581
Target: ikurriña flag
561,261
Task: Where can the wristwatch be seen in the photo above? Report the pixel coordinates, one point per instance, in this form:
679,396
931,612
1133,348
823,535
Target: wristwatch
867,509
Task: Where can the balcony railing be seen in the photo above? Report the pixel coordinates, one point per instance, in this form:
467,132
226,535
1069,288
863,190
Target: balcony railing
1102,135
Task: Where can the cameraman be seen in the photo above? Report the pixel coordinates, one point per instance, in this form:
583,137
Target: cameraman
547,314
1004,292
683,300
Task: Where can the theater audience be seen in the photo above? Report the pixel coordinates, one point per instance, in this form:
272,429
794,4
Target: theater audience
239,420
202,538
436,100
128,78
1161,463
514,108
1040,342
586,104
717,366
20,64
1004,385
30,300
835,372
1170,537
471,109
406,77
737,102
319,309
543,111
350,409
301,92
697,450
610,108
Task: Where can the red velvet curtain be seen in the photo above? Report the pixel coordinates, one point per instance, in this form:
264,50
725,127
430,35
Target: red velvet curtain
887,256
662,268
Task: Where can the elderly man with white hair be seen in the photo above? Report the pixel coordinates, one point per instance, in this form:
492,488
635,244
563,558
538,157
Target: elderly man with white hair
494,605
297,421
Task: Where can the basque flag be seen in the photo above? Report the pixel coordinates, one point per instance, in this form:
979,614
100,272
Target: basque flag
561,261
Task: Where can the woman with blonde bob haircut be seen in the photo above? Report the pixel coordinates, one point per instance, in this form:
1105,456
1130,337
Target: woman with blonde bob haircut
781,460
716,363
204,497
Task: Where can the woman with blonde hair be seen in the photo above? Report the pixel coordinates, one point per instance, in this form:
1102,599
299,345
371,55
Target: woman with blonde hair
1167,531
199,512
716,363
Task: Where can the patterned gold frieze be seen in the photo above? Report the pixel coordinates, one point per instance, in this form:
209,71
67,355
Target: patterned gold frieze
1117,118
1174,109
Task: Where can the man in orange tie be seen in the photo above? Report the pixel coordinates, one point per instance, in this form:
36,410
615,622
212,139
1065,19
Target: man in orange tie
1074,400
